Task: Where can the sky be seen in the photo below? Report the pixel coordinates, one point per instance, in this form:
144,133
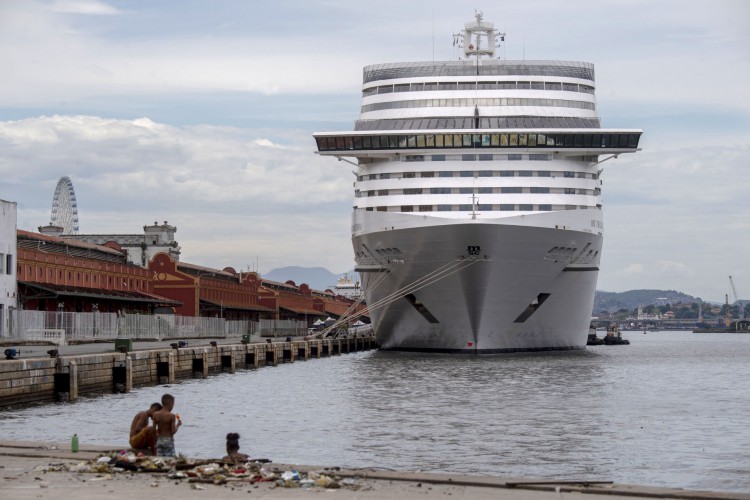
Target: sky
202,113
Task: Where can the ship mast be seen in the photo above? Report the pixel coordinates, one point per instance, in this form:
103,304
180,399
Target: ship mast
479,38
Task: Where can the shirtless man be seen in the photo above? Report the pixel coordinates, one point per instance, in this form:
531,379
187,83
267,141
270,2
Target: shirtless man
166,427
142,435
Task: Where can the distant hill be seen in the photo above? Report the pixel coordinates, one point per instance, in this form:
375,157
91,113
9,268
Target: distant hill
613,301
318,278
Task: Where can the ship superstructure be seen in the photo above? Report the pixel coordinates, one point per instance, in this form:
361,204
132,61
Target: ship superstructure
346,287
477,221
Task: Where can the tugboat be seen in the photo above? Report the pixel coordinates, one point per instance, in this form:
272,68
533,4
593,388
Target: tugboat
614,337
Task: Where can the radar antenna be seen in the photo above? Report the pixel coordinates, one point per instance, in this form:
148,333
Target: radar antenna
65,207
479,38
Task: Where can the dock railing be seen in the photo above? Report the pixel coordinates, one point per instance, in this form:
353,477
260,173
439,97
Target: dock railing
64,327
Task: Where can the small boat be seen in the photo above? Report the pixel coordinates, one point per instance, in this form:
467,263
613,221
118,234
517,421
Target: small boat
614,336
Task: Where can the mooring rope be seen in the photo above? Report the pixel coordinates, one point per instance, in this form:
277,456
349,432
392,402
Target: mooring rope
433,276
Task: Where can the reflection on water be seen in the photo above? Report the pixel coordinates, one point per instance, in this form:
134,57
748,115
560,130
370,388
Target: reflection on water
670,409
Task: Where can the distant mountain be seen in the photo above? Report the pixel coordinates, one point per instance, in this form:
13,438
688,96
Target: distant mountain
317,278
613,301
320,278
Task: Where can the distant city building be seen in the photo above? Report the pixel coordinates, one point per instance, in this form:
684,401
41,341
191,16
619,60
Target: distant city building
642,316
8,292
139,248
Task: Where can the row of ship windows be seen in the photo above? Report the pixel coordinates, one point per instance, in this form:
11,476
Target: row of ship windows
484,85
480,157
466,102
479,207
491,68
478,190
576,140
477,173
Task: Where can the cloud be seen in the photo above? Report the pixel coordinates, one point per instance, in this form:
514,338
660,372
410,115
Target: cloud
266,143
88,7
672,268
633,270
233,195
59,57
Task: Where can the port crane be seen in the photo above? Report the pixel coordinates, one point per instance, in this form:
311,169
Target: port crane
737,299
727,314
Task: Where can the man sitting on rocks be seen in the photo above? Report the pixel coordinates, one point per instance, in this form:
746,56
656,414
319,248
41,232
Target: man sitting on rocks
142,435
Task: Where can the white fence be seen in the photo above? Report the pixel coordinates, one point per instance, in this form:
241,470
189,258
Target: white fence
282,328
62,327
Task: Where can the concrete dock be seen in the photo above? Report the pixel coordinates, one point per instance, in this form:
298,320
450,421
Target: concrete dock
32,470
48,372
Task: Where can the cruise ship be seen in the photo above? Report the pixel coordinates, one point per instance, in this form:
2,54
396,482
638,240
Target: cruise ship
477,222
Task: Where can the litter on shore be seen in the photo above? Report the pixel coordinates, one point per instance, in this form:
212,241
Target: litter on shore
199,472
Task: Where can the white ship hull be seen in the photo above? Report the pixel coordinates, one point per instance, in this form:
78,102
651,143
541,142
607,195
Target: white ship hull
478,307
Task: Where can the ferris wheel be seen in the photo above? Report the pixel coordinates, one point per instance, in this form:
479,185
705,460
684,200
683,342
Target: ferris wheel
65,207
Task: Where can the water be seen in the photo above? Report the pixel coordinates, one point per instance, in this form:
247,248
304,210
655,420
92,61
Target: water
671,409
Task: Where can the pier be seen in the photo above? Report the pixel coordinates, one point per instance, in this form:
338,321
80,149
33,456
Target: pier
115,368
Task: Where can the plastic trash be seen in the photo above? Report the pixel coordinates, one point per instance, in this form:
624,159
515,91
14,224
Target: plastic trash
208,470
323,481
287,475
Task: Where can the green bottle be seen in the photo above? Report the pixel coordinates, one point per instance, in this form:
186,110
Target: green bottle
74,443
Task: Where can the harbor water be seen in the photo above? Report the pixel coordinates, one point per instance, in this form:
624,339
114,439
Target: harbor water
671,409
